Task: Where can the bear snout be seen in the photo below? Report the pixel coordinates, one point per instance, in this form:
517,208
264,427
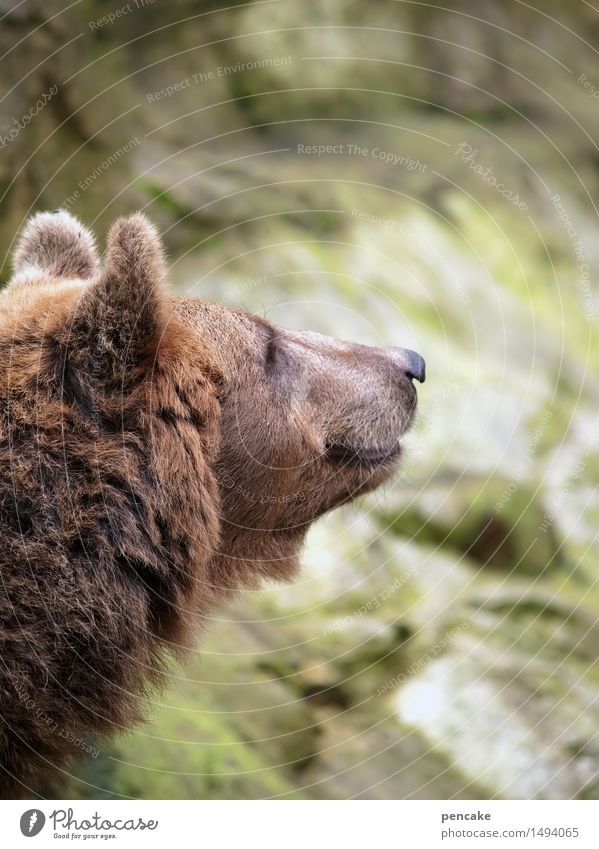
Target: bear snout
410,362
416,367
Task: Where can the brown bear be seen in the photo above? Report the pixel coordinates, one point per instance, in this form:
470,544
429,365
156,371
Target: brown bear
156,453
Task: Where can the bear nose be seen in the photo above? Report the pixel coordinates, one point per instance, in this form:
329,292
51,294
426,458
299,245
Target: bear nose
415,366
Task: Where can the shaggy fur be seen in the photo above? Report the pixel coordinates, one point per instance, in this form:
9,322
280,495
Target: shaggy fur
155,455
56,245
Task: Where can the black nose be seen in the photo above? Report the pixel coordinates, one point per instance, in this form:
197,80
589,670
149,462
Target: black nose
416,367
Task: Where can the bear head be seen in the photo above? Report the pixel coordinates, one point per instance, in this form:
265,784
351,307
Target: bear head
156,453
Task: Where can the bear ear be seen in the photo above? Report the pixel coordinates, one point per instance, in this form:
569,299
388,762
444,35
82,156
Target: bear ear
56,245
124,311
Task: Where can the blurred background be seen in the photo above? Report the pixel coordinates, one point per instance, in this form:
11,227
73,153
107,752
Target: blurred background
397,173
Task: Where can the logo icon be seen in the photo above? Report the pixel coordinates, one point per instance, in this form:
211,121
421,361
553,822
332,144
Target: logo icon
32,822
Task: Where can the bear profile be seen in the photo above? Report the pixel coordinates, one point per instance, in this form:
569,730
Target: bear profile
140,436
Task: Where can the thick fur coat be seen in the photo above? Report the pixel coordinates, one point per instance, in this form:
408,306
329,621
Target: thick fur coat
138,434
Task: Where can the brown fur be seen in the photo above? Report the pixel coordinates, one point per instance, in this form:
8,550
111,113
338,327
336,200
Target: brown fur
155,455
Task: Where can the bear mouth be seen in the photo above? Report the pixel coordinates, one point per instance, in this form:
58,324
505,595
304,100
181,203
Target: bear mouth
349,455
